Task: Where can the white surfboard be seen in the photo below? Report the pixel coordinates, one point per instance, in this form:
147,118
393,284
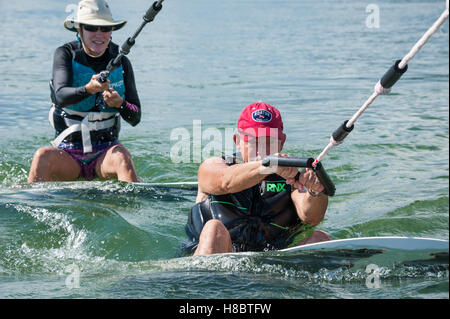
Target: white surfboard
400,243
358,253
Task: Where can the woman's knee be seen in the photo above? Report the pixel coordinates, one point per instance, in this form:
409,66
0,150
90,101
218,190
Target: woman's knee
45,155
121,156
50,163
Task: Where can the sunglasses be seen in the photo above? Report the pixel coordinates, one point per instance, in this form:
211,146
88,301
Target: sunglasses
94,28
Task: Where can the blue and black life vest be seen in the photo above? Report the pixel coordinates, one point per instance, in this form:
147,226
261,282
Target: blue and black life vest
89,120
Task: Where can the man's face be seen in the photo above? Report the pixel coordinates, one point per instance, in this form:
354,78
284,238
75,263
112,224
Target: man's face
259,147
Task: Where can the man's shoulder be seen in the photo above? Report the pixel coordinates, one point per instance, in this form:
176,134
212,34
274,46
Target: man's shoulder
225,159
214,160
233,159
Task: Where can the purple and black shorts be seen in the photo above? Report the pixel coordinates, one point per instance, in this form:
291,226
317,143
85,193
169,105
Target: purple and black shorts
87,161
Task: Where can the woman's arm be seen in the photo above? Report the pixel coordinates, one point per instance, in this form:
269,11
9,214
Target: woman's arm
64,93
131,108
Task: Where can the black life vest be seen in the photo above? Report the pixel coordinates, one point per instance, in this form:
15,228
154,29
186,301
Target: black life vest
262,217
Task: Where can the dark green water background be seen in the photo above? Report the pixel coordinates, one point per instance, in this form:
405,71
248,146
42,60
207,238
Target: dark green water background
317,61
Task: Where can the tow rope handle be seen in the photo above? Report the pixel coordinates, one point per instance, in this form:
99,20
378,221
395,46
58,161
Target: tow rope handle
128,44
392,75
325,180
384,85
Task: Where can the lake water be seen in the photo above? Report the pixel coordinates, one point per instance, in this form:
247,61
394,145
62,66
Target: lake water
317,61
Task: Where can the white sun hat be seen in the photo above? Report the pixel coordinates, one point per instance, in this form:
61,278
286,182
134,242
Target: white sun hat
93,12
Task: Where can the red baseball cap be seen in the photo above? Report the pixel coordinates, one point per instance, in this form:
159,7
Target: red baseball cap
260,119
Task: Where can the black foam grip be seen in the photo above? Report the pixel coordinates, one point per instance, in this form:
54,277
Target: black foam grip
152,12
325,180
342,132
126,46
103,77
287,161
392,75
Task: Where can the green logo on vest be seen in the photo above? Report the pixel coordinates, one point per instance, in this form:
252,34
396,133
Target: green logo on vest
275,187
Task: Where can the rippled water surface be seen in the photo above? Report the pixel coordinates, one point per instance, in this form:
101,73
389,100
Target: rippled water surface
317,61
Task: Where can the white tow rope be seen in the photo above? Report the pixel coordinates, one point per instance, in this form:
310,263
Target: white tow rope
432,30
379,89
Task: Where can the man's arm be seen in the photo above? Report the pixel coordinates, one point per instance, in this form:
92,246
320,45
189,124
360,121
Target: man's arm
217,178
310,209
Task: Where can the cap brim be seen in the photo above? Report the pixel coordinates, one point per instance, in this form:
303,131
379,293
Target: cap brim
72,24
250,134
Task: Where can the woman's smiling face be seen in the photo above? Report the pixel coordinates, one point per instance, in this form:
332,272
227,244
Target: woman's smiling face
95,42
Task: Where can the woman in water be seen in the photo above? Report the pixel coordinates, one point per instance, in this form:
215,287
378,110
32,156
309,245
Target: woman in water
86,113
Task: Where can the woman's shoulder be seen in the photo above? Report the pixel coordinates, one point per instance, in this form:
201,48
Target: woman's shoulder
68,47
126,63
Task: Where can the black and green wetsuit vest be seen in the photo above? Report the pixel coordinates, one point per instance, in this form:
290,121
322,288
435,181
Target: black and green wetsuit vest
260,218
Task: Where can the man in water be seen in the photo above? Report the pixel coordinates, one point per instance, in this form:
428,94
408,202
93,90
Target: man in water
243,206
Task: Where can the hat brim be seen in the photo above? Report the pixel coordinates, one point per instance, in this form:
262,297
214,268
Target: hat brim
73,24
